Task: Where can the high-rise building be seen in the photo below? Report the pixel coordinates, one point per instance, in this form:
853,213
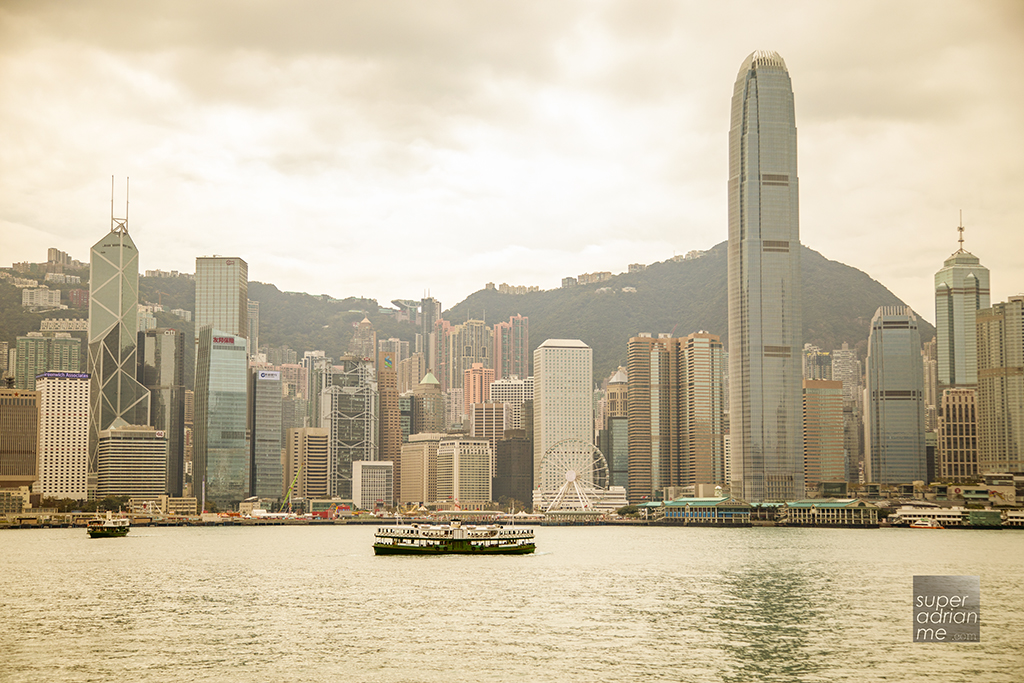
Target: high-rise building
476,384
430,313
957,438
19,437
390,428
513,468
824,453
220,453
419,468
675,413
161,369
306,463
265,433
398,348
220,447
894,442
464,471
1000,397
222,288
468,343
817,364
373,485
765,282
512,348
428,411
38,354
253,312
515,392
961,290
116,396
489,421
847,369
562,402
932,393
132,461
410,371
363,343
348,408
63,434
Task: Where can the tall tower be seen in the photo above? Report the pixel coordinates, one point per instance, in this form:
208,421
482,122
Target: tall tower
563,397
161,355
1001,387
765,325
115,395
894,450
961,290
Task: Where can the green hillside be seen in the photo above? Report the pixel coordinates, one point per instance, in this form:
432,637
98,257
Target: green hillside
681,297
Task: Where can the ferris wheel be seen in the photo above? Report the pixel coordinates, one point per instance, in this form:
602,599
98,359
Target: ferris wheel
575,471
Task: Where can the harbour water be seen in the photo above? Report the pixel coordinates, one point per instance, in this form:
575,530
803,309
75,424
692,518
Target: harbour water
593,604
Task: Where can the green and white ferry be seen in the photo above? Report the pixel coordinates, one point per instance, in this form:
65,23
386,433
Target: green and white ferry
453,539
111,527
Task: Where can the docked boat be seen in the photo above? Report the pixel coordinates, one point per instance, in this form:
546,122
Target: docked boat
453,539
110,527
926,523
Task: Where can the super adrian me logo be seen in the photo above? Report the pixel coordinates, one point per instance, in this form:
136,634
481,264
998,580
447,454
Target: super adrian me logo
947,609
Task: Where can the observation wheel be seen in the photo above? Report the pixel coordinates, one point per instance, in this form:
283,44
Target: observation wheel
575,472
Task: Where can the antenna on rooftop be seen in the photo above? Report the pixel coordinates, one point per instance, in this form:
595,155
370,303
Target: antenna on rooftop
118,224
961,229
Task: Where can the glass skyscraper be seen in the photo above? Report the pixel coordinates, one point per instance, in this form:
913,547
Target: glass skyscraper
116,397
894,420
161,354
961,290
765,327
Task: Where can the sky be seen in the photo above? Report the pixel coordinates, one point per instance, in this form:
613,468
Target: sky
393,149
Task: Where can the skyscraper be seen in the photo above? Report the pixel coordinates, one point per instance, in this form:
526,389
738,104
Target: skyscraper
1000,399
894,447
765,327
265,433
161,357
348,409
390,428
19,437
512,348
961,289
116,396
220,460
64,434
563,402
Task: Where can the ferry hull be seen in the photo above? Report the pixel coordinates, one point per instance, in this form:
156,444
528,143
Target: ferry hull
452,548
108,533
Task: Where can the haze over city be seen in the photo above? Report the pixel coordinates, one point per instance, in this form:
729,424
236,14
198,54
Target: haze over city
388,149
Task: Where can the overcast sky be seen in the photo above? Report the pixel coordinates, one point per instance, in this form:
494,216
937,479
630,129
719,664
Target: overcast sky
385,149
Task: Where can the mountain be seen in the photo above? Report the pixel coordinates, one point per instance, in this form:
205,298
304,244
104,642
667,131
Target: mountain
681,297
678,297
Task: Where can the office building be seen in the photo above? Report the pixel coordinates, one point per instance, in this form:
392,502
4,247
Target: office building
410,371
468,343
307,463
363,343
765,283
430,313
961,290
265,433
894,444
116,396
348,408
222,288
373,485
514,392
957,437
464,471
132,461
824,452
1000,396
220,454
63,434
489,421
512,347
37,354
419,468
19,438
428,407
563,411
390,428
513,469
399,349
253,334
161,369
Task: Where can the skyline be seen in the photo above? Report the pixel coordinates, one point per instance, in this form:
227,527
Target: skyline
518,143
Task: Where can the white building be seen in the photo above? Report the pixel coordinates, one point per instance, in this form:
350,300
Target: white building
63,434
372,484
464,470
515,392
44,296
563,371
132,461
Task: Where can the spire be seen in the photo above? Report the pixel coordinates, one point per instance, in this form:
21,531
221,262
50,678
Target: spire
961,229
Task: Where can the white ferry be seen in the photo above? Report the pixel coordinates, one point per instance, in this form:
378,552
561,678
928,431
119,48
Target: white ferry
453,539
111,527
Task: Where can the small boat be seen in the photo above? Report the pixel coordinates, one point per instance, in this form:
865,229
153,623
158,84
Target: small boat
926,523
453,539
111,527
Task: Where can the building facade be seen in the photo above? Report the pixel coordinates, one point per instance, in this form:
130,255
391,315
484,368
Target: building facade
1000,398
894,450
464,471
562,402
161,369
419,467
19,438
961,290
348,408
824,451
957,437
512,348
64,404
765,281
373,485
132,462
266,475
